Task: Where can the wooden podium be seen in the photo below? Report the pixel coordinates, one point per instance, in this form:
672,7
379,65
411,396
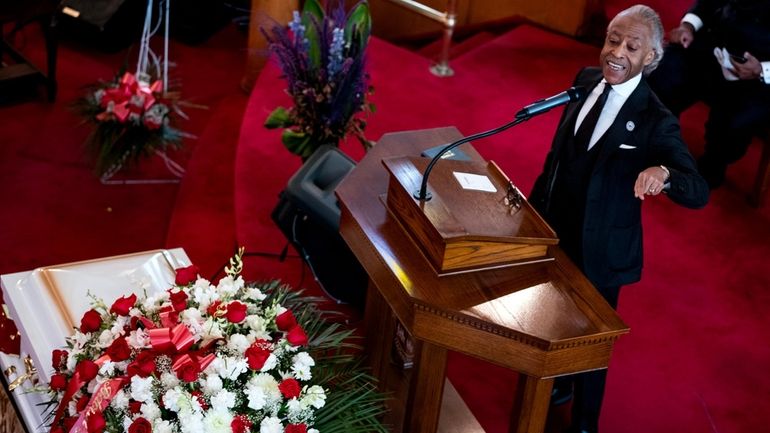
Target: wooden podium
536,314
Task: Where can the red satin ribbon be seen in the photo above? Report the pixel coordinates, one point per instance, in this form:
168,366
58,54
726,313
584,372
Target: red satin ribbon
117,101
100,399
72,387
176,339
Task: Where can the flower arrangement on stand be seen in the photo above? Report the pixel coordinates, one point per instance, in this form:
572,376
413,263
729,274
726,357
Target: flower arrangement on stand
132,118
322,55
134,114
229,358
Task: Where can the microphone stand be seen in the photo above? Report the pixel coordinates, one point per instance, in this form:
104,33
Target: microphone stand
422,194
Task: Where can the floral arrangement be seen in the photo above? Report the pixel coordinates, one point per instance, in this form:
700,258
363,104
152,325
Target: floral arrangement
229,358
322,57
132,116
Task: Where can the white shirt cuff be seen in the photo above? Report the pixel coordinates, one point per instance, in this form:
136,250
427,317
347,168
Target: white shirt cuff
694,20
766,72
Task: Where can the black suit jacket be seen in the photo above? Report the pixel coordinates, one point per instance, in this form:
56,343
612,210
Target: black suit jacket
612,230
738,25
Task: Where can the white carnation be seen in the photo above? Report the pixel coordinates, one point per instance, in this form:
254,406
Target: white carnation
314,396
193,319
211,384
233,367
120,400
295,407
262,390
238,343
271,425
192,423
161,426
141,388
301,364
223,400
173,399
150,411
218,421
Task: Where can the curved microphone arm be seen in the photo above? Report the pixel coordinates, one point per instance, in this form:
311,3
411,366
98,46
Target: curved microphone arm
422,194
572,94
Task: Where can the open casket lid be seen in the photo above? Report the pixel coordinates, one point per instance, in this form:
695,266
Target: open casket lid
48,302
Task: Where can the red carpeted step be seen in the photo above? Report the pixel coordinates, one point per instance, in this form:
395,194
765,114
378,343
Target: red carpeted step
456,49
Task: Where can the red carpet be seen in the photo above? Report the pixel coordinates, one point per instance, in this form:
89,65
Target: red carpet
697,355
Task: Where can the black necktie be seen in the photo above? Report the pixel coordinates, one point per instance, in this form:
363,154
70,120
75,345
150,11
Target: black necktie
586,129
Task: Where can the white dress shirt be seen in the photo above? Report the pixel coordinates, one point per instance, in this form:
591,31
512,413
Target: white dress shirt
697,24
615,100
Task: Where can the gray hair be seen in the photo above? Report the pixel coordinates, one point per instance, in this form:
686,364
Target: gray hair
650,18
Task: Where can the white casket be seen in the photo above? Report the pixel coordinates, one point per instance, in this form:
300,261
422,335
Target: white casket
47,303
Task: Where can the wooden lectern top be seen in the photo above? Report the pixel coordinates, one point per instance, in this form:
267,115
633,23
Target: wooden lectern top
472,219
542,318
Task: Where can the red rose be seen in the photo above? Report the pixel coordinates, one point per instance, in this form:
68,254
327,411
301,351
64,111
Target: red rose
58,382
189,372
95,423
119,350
140,425
178,300
236,312
257,354
240,424
286,320
143,365
58,358
296,428
82,402
215,309
91,321
123,305
185,276
87,370
57,429
289,388
297,336
134,406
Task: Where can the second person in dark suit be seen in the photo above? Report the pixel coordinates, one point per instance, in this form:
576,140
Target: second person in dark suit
609,153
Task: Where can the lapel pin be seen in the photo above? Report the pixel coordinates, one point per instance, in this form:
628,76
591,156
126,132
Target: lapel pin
630,125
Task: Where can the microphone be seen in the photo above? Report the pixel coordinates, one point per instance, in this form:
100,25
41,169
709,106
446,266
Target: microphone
570,95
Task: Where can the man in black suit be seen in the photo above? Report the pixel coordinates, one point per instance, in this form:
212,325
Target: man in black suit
736,89
611,152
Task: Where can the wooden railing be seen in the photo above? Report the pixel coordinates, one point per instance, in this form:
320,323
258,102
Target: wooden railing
448,19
